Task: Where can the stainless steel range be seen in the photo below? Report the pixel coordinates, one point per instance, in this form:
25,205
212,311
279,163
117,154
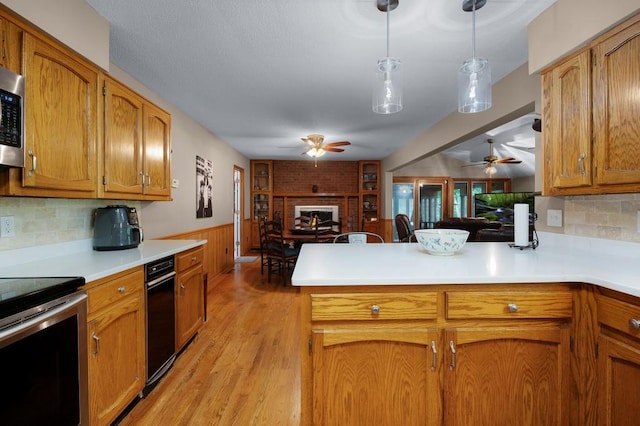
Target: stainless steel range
43,351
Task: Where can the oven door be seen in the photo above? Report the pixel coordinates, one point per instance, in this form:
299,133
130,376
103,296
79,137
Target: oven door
43,355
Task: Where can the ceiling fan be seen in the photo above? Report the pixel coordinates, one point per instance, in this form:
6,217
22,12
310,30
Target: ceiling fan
317,147
489,162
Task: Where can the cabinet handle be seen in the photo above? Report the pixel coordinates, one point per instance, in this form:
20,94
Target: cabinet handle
149,180
34,163
512,307
581,169
435,355
634,323
122,289
194,259
182,286
141,178
375,309
97,340
453,355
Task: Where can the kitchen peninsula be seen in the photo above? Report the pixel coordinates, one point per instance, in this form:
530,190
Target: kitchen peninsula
390,332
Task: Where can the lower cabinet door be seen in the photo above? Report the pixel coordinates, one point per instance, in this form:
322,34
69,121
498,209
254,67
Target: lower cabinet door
507,376
189,305
116,342
618,382
376,377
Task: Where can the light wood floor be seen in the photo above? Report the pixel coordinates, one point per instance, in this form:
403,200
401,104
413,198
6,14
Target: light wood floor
243,367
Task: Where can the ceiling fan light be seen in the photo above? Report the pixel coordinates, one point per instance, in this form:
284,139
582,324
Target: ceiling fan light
387,86
490,170
316,152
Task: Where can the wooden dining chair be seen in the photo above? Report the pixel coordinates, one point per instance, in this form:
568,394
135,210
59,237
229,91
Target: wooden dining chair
327,230
403,227
280,255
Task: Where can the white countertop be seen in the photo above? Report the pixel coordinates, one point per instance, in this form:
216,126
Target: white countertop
79,259
559,258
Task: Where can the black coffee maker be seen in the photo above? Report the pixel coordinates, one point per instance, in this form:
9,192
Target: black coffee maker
116,228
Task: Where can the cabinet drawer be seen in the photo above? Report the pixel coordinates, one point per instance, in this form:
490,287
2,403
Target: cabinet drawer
189,258
373,306
114,290
517,304
622,316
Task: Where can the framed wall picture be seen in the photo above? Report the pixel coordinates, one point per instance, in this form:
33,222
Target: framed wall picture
204,188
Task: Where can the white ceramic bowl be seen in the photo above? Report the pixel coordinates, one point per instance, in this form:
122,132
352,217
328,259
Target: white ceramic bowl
441,242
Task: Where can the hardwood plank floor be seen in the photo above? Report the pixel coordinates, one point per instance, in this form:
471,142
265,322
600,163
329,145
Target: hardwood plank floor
243,366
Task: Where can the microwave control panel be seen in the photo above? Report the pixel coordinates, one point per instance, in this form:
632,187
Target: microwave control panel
10,123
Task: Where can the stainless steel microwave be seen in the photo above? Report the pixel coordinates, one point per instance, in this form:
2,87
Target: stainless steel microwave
11,119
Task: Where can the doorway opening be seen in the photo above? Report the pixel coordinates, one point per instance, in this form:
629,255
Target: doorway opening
238,210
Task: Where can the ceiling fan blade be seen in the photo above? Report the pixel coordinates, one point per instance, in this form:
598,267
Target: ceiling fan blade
481,163
332,149
508,160
340,143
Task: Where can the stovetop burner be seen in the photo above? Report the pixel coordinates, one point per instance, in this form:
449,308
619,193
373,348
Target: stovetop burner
18,294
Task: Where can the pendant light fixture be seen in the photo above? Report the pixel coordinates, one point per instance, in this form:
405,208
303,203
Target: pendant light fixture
474,76
387,86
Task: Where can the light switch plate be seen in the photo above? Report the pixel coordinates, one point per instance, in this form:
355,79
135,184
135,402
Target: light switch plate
554,218
175,183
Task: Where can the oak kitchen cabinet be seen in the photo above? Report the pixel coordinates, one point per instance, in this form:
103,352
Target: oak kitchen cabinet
590,117
10,55
116,339
136,160
189,295
517,350
618,368
60,124
434,355
65,116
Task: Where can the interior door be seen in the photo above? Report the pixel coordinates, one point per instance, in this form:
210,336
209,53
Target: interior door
432,200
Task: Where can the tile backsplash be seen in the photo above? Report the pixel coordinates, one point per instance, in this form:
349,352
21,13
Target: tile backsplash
42,221
612,217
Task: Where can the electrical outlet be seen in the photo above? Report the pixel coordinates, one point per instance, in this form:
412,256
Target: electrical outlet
7,226
554,217
175,183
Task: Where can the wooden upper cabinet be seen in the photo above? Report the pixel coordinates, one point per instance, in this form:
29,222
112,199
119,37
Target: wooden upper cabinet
567,133
590,117
10,56
122,140
61,125
137,151
616,107
157,151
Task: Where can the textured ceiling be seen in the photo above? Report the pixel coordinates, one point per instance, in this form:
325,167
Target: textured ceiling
262,74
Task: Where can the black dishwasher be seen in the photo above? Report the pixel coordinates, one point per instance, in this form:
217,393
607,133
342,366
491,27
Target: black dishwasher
161,332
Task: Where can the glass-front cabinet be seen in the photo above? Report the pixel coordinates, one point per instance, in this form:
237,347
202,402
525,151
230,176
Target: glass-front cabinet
261,196
369,194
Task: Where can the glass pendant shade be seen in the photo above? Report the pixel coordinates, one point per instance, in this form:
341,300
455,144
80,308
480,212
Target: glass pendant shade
387,86
474,85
